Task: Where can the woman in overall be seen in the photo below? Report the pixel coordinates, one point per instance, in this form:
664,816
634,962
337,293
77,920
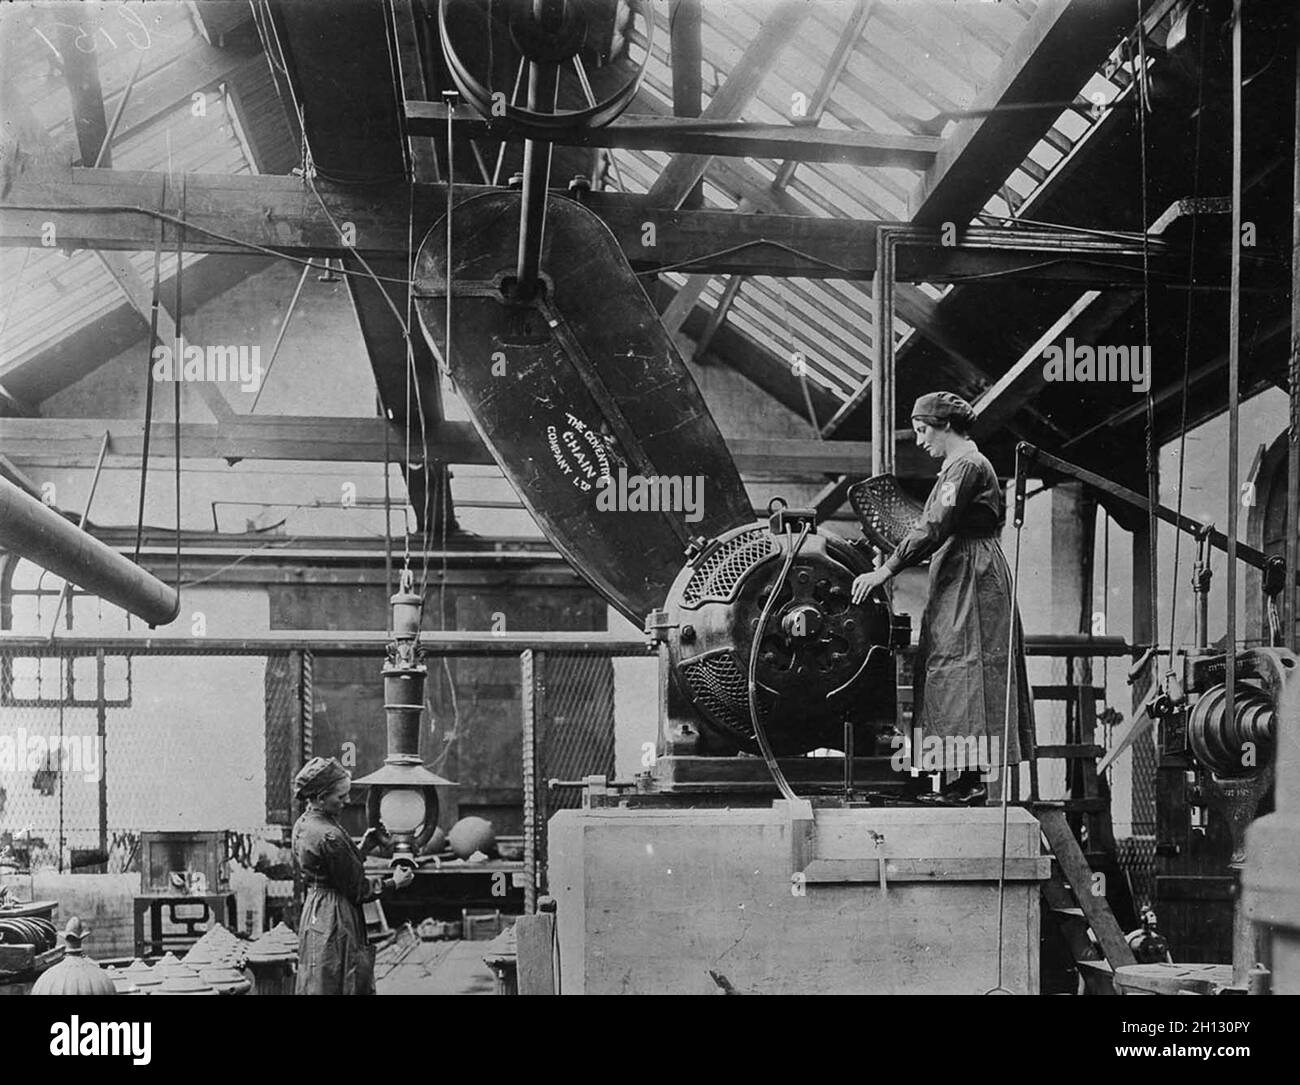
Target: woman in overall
334,957
960,680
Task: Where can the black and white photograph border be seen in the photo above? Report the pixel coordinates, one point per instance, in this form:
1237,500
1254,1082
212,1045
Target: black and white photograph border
690,497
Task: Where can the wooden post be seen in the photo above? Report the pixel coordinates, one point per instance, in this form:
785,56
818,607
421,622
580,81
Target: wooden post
684,21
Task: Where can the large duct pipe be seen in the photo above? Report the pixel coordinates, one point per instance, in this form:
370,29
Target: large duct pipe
39,534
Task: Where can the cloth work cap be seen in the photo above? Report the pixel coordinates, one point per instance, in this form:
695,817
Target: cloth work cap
317,776
942,406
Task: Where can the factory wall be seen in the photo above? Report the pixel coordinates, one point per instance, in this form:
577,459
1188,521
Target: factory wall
184,753
321,370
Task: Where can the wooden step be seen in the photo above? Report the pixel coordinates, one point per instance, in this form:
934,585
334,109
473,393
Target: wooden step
1077,873
1065,693
1070,751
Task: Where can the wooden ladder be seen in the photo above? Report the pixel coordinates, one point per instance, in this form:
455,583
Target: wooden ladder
1070,899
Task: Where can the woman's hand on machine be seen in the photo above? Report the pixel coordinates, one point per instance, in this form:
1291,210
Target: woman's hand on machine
403,876
869,582
375,837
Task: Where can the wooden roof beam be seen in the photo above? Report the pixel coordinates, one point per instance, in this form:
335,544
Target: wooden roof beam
81,73
112,209
695,138
844,46
76,441
685,171
1056,53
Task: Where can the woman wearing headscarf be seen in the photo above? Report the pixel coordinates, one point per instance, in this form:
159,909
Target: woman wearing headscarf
334,957
960,679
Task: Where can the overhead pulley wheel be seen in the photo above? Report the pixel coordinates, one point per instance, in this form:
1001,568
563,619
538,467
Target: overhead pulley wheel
488,45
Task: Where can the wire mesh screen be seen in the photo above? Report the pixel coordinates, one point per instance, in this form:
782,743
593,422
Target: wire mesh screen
569,734
99,743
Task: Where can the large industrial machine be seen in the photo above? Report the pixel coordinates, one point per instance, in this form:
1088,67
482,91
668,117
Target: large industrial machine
1217,737
581,395
593,416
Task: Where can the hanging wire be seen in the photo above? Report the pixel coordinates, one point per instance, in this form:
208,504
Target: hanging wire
1187,339
514,97
148,388
1138,61
401,322
760,732
180,260
799,362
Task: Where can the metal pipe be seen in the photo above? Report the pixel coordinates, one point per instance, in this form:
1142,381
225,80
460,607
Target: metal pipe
1201,615
85,513
42,536
543,86
882,376
1234,370
101,159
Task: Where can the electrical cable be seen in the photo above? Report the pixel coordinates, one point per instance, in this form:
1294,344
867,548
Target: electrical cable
760,733
412,376
275,544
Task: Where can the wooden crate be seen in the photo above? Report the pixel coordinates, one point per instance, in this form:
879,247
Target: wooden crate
162,853
21,966
654,901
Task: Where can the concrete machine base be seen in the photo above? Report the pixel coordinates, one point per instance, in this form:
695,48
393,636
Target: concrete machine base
693,901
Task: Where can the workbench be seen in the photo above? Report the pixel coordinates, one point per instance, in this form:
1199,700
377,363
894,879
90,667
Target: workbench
217,907
444,889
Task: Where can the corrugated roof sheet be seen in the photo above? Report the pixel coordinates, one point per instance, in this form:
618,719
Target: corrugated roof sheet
912,63
51,294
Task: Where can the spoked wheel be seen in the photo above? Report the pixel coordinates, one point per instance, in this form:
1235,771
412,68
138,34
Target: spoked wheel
599,50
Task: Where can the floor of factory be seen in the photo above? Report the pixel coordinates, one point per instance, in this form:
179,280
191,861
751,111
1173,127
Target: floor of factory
436,968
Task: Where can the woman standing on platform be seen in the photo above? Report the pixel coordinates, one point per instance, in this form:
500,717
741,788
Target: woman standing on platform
960,674
334,957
